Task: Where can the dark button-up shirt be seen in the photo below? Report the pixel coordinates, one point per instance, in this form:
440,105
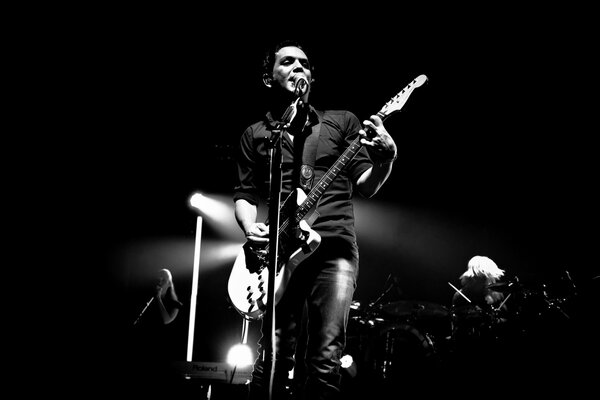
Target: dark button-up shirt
338,129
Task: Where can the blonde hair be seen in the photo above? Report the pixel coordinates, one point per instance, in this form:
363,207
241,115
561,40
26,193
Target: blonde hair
166,275
483,267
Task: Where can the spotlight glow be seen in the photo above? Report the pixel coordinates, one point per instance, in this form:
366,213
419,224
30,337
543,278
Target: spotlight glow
240,355
210,206
347,361
218,211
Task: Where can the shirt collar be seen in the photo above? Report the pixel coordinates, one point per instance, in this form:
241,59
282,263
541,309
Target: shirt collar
313,117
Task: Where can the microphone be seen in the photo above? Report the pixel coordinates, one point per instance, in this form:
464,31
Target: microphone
300,87
143,311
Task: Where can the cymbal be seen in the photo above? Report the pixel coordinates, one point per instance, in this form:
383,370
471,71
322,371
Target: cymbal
505,287
497,286
404,308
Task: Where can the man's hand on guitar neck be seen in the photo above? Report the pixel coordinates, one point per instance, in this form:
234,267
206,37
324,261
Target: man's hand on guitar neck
380,144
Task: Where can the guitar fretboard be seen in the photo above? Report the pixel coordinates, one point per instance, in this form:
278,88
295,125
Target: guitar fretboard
317,191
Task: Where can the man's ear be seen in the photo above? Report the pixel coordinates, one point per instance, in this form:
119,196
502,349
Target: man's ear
267,80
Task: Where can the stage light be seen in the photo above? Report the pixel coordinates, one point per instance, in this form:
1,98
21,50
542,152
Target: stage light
211,207
346,360
194,294
240,355
349,366
218,211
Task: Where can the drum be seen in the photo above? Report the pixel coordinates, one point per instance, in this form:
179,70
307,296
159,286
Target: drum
472,322
398,350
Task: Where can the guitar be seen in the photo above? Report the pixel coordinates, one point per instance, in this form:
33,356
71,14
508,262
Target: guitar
247,285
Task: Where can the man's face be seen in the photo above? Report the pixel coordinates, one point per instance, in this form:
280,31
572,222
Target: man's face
291,63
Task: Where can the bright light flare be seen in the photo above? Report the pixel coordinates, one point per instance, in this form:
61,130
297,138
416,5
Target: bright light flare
210,206
240,355
346,360
349,366
218,211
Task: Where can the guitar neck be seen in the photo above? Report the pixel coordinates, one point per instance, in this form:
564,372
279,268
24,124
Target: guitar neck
393,105
317,191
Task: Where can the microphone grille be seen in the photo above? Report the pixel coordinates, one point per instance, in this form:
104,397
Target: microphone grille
301,87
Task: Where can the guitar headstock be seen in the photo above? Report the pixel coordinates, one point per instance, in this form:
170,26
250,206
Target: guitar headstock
397,102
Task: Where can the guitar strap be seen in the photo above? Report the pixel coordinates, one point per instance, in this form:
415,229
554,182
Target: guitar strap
309,154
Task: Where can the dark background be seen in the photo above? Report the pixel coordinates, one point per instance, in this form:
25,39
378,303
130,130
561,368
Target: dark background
496,152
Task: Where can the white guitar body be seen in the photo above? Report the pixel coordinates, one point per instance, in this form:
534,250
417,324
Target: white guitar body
248,290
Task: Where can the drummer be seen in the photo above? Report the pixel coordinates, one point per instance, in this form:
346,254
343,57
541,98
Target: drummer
482,273
477,308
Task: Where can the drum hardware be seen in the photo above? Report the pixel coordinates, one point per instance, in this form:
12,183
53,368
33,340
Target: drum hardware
474,322
355,305
364,317
396,339
553,304
399,349
506,287
389,286
573,287
414,309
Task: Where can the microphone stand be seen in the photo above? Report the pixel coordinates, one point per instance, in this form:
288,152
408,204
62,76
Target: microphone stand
382,295
274,202
143,311
274,215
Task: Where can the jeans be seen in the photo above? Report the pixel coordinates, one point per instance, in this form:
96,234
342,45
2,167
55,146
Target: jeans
310,326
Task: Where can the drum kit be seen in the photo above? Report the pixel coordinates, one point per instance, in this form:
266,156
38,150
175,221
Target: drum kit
398,338
414,338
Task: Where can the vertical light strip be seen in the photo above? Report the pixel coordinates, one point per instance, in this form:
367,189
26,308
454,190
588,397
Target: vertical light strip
190,348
